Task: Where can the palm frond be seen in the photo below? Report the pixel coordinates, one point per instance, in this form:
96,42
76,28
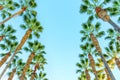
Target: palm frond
97,26
83,8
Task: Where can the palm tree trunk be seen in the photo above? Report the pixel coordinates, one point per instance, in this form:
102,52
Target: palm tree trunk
3,60
1,38
1,7
92,64
12,74
115,26
25,37
35,69
117,61
96,44
104,16
87,75
108,76
27,65
15,14
32,76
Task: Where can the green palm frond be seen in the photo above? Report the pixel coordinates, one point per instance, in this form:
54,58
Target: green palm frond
100,34
90,18
3,47
97,26
83,8
37,35
23,26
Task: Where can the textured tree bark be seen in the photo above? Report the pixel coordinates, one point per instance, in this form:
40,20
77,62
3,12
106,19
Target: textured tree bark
96,44
27,65
3,60
101,13
15,14
87,75
92,64
25,37
12,74
117,61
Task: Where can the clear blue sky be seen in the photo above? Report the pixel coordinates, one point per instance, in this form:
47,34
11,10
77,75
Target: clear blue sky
61,21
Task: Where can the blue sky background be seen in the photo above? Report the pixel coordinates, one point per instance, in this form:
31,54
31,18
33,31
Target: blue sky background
61,21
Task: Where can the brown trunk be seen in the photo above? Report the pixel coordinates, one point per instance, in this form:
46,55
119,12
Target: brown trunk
27,65
92,64
95,43
117,61
15,14
32,76
3,60
1,38
12,74
1,7
108,76
25,37
35,69
87,74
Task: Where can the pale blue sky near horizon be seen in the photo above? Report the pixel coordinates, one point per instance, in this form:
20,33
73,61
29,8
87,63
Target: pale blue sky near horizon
61,21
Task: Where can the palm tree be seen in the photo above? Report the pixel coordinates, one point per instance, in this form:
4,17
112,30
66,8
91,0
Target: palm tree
12,74
9,47
92,63
17,66
35,48
113,48
15,14
7,33
33,27
39,62
96,44
88,47
101,13
83,68
88,7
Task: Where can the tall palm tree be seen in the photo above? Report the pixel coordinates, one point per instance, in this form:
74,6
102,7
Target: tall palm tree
15,14
17,66
88,7
7,33
88,47
9,47
96,44
39,62
83,68
113,48
92,63
32,25
12,74
104,16
6,7
35,48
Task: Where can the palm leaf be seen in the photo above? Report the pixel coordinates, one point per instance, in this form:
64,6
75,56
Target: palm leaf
83,8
